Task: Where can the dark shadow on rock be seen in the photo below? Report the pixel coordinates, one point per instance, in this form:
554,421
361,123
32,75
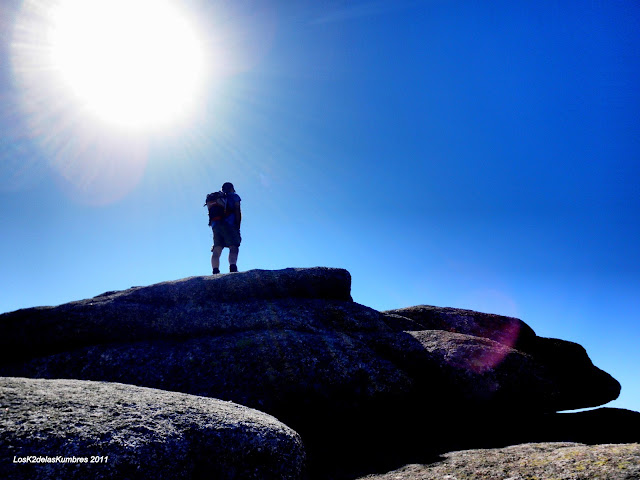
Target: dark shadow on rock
599,426
424,439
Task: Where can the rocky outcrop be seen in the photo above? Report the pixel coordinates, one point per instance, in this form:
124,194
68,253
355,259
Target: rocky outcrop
505,330
49,428
561,461
569,362
186,308
292,343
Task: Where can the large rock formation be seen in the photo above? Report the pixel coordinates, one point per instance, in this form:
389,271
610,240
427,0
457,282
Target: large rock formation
292,343
72,429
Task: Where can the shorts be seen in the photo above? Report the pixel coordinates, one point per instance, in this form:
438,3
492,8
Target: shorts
226,235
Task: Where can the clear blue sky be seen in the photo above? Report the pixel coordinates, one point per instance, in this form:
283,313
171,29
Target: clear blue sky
480,155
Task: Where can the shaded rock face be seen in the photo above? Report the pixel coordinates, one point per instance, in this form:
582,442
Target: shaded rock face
292,343
556,362
134,432
185,308
505,330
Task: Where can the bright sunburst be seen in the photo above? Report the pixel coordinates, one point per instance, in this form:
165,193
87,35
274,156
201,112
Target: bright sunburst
131,63
99,79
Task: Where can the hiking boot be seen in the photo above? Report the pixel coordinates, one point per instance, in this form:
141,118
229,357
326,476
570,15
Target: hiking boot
216,271
233,268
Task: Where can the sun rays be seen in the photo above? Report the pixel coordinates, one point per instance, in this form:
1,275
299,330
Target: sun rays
99,78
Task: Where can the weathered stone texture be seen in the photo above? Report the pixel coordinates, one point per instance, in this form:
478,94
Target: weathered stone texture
138,433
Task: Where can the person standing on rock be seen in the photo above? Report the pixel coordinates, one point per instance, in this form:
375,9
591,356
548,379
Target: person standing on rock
224,219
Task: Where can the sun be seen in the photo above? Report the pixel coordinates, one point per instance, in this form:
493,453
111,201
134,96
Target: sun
135,64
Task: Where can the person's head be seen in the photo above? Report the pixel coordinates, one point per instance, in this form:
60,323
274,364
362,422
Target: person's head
227,187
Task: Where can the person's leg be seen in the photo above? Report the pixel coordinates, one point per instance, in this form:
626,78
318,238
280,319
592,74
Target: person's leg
233,259
215,259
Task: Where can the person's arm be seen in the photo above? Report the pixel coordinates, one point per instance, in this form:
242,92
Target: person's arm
238,215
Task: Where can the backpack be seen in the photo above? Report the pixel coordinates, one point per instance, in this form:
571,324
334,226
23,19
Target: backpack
218,210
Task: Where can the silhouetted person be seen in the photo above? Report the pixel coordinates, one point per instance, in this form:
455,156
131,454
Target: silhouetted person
224,219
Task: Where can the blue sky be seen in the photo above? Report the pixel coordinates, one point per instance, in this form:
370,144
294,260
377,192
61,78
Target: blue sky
480,155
